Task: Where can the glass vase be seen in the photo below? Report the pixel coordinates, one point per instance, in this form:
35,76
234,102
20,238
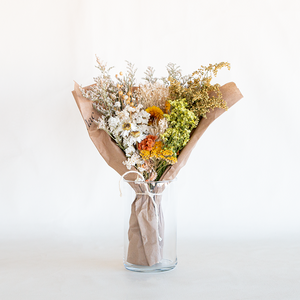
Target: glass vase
150,236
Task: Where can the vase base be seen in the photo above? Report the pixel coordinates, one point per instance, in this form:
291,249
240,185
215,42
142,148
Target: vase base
163,266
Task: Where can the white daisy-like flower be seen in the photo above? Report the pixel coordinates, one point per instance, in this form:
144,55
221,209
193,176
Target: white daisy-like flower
133,160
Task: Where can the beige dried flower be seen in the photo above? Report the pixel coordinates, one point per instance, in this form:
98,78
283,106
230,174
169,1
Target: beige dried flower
153,94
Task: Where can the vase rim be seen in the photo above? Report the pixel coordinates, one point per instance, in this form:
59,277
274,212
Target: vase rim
151,182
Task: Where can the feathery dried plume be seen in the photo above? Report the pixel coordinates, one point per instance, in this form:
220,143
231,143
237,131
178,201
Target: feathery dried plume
153,94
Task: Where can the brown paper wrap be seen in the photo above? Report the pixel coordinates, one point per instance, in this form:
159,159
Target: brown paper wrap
144,246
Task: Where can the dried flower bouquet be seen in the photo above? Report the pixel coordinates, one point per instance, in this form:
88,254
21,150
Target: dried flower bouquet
152,122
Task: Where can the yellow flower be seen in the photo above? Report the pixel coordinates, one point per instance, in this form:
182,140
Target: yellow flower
145,154
155,113
156,149
159,153
167,153
172,160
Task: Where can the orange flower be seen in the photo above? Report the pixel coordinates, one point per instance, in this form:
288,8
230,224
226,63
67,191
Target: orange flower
147,143
167,107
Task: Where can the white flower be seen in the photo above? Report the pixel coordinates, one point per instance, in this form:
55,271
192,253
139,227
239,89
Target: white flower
163,125
101,124
141,169
142,117
131,109
133,160
129,151
122,132
113,122
129,127
123,115
132,140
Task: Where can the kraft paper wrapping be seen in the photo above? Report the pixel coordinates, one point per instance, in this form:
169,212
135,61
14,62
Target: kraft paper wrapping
144,246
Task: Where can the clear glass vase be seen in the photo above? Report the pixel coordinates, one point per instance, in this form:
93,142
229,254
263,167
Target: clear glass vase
150,236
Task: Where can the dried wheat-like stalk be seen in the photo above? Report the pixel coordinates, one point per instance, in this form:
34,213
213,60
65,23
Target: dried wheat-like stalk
153,94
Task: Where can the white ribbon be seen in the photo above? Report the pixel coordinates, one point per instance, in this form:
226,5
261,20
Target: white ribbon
147,192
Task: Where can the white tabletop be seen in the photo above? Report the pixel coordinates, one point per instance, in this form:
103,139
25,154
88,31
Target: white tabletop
42,269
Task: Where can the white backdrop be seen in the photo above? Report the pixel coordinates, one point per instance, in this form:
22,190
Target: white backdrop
242,179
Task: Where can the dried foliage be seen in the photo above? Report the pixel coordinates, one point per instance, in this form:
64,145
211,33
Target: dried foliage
149,75
197,89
